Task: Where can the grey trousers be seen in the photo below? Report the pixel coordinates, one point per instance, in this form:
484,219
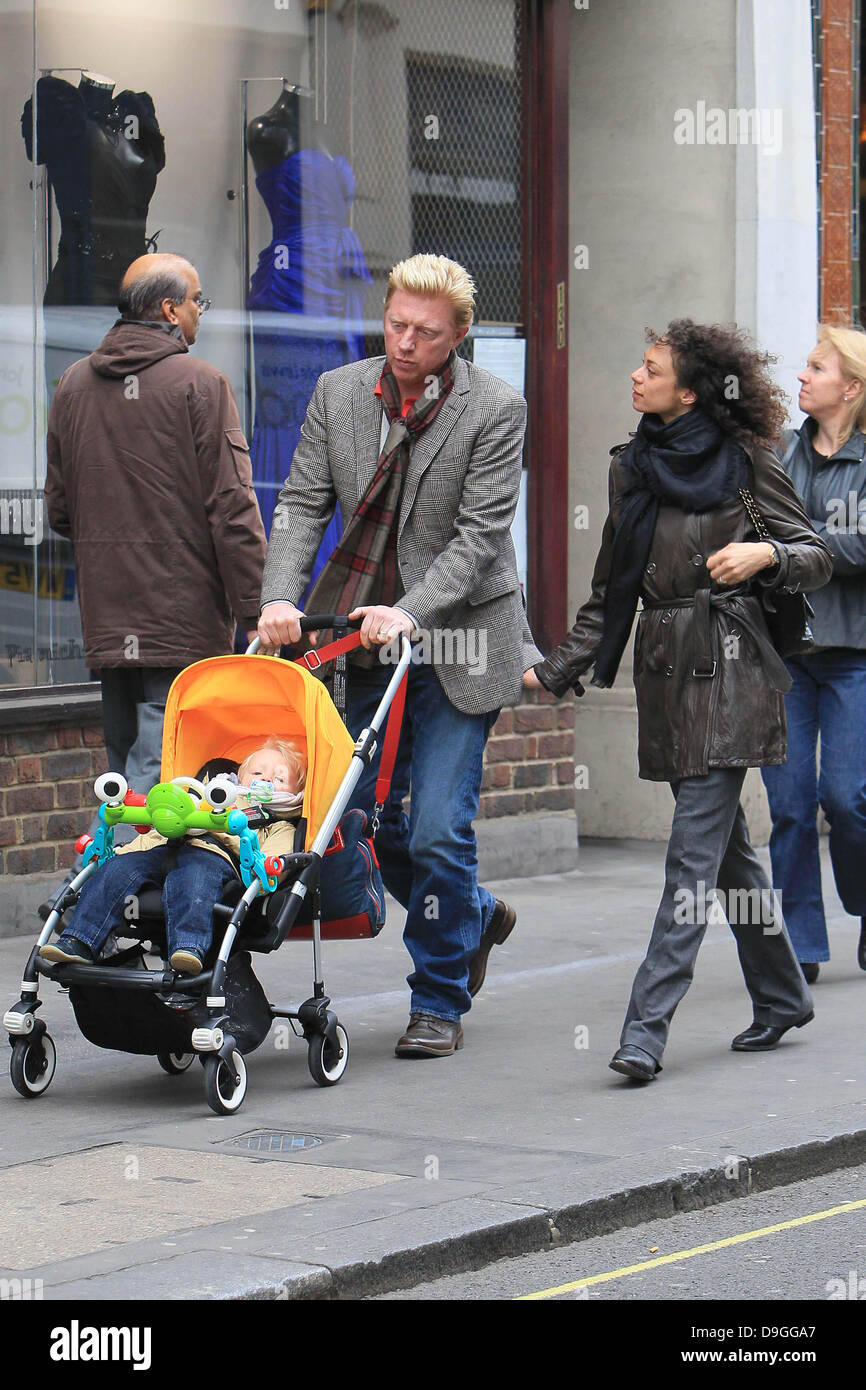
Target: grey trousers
709,848
133,708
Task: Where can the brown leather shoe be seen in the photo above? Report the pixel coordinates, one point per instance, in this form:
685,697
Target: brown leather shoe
429,1036
499,929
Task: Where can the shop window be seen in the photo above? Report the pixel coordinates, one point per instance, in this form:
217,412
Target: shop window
284,151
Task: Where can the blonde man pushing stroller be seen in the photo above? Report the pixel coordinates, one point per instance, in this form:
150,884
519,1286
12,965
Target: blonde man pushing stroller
422,450
194,871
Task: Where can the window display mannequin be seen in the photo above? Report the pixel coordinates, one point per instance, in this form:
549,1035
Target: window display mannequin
313,267
102,154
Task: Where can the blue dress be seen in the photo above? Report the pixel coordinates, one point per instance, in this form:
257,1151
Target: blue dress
314,272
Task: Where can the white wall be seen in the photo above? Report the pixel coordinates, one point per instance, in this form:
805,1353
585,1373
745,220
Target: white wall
777,199
665,226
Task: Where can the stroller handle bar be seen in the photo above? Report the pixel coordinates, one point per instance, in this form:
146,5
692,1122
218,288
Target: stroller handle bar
314,622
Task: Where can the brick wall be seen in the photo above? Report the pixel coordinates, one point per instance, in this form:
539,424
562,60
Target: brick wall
529,762
47,775
837,131
46,794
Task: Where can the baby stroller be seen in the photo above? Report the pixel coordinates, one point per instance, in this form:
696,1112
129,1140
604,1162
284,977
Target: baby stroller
217,711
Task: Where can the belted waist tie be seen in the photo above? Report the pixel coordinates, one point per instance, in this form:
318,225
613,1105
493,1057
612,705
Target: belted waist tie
706,600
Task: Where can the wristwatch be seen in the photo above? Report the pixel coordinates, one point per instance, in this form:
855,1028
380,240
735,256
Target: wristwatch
777,554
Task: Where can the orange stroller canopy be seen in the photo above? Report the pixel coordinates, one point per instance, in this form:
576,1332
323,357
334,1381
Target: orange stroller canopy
226,706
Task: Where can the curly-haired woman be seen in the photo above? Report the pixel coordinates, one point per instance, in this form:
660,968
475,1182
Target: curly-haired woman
709,683
826,461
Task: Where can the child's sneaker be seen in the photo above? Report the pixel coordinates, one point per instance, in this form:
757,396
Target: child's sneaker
68,950
186,962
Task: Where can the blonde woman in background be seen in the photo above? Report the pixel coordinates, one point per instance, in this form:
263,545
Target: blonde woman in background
826,461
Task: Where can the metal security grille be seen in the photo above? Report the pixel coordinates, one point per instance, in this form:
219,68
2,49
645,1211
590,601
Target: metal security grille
465,167
429,117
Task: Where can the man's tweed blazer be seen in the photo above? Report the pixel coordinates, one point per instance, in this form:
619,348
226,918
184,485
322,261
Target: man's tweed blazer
454,546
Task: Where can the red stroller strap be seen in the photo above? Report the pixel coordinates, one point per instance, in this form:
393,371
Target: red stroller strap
395,714
391,742
317,656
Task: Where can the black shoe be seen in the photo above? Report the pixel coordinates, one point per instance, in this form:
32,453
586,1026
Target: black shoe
499,928
811,969
67,951
861,945
763,1037
634,1062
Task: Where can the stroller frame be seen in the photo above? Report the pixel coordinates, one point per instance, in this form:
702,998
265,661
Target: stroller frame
33,1059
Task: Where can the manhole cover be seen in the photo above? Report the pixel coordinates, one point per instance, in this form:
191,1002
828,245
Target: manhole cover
276,1141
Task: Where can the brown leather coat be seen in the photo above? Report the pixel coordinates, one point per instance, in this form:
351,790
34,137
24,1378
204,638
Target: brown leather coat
732,714
149,474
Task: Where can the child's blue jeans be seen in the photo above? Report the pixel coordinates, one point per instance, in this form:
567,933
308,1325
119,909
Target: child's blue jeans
191,886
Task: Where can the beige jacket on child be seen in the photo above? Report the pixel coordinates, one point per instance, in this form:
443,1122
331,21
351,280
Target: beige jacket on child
276,838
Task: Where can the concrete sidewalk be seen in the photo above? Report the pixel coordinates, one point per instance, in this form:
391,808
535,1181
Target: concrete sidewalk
120,1183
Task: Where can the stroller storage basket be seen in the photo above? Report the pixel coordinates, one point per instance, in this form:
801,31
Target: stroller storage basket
139,1021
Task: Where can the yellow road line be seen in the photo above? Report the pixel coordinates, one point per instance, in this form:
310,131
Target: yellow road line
688,1254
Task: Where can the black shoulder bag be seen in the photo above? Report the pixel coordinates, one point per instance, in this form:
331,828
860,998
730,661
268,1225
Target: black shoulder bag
787,615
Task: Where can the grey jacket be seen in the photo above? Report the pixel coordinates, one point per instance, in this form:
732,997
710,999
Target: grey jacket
834,496
454,546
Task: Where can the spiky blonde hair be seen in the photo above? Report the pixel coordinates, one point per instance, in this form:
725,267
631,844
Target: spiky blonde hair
436,276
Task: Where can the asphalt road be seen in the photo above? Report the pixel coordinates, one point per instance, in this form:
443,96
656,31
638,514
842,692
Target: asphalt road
819,1257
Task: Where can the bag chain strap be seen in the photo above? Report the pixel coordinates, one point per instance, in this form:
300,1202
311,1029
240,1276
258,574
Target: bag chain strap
758,521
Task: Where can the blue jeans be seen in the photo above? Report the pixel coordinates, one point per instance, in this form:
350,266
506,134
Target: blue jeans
429,859
828,698
190,888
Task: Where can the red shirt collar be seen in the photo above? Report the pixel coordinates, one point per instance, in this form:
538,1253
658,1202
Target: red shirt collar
407,404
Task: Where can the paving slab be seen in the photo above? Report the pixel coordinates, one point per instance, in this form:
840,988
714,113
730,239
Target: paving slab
194,1276
79,1203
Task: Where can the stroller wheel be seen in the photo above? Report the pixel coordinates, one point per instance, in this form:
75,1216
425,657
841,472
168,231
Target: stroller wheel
225,1085
326,1062
32,1065
175,1062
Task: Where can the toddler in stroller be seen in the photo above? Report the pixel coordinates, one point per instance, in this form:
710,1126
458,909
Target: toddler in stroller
324,884
194,872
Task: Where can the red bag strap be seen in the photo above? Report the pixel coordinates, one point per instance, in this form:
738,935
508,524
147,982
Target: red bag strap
389,746
315,658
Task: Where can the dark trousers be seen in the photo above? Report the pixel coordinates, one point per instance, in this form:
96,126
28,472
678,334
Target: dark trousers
709,848
133,708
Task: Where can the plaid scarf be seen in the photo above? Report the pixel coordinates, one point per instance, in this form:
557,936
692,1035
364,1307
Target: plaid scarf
362,568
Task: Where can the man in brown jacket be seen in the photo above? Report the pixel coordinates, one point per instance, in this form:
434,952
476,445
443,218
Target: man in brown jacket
149,475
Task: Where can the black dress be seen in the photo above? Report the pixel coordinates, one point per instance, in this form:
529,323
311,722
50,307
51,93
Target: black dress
103,167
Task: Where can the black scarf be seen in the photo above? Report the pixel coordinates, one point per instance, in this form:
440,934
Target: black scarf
689,463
